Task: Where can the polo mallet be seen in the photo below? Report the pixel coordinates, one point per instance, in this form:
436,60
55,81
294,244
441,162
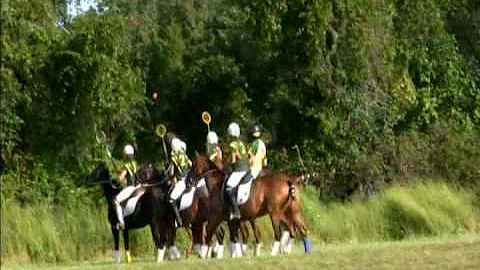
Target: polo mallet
207,118
161,130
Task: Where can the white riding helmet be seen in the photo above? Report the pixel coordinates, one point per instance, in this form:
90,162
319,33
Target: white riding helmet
128,150
234,130
176,144
183,146
212,137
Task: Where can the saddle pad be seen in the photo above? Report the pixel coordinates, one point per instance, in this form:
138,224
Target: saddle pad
131,204
187,199
243,192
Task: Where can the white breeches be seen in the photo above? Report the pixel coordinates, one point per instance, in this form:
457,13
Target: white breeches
235,178
125,193
178,189
254,171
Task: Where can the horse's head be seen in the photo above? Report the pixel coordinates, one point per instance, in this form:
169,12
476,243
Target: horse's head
201,165
147,173
100,174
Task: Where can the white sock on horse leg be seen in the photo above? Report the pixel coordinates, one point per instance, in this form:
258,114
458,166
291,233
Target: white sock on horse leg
117,256
232,249
219,253
284,240
275,248
258,249
244,249
174,253
289,247
204,251
160,254
209,251
238,250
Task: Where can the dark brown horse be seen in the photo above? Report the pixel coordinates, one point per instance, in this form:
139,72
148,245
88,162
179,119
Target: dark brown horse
275,194
152,209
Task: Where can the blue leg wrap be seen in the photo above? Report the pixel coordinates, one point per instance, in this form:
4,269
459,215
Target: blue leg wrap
307,245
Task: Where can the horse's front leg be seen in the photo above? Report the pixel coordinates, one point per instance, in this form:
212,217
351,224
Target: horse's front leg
171,239
235,246
160,241
116,244
128,256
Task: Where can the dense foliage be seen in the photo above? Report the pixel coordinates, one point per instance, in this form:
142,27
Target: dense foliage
370,92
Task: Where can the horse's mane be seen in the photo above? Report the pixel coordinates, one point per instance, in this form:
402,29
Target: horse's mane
149,174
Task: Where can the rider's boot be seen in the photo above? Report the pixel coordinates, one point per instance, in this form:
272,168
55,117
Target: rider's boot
119,210
178,218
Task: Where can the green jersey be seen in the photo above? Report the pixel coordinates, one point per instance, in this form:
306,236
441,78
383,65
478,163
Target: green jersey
181,162
237,148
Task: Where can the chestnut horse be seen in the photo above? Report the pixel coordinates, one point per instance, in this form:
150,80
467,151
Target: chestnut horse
275,194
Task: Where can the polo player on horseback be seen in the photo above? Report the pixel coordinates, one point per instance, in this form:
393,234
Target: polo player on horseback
214,152
126,175
238,159
179,169
257,153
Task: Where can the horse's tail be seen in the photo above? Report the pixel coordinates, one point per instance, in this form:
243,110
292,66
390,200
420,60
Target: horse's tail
292,192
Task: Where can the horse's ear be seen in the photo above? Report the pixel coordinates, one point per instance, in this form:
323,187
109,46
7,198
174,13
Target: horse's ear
196,153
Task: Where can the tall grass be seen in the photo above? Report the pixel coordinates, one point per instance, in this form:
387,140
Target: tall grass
397,213
80,230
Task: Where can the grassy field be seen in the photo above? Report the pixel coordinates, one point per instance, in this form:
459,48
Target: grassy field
453,252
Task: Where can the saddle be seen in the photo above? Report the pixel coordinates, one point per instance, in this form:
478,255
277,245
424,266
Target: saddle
242,190
186,199
131,203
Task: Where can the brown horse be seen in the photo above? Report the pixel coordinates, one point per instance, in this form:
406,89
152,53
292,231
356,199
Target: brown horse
275,194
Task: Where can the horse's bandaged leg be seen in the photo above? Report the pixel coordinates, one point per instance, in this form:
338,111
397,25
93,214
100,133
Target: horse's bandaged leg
232,249
219,253
116,256
238,250
244,249
204,251
258,249
284,240
275,248
289,247
307,245
174,253
160,254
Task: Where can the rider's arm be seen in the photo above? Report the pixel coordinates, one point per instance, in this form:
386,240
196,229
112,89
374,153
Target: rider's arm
122,174
219,153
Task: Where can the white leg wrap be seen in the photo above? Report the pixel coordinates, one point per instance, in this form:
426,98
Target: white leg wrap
204,251
275,248
289,247
117,256
244,249
232,250
160,254
219,252
238,250
258,250
174,253
284,240
215,247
